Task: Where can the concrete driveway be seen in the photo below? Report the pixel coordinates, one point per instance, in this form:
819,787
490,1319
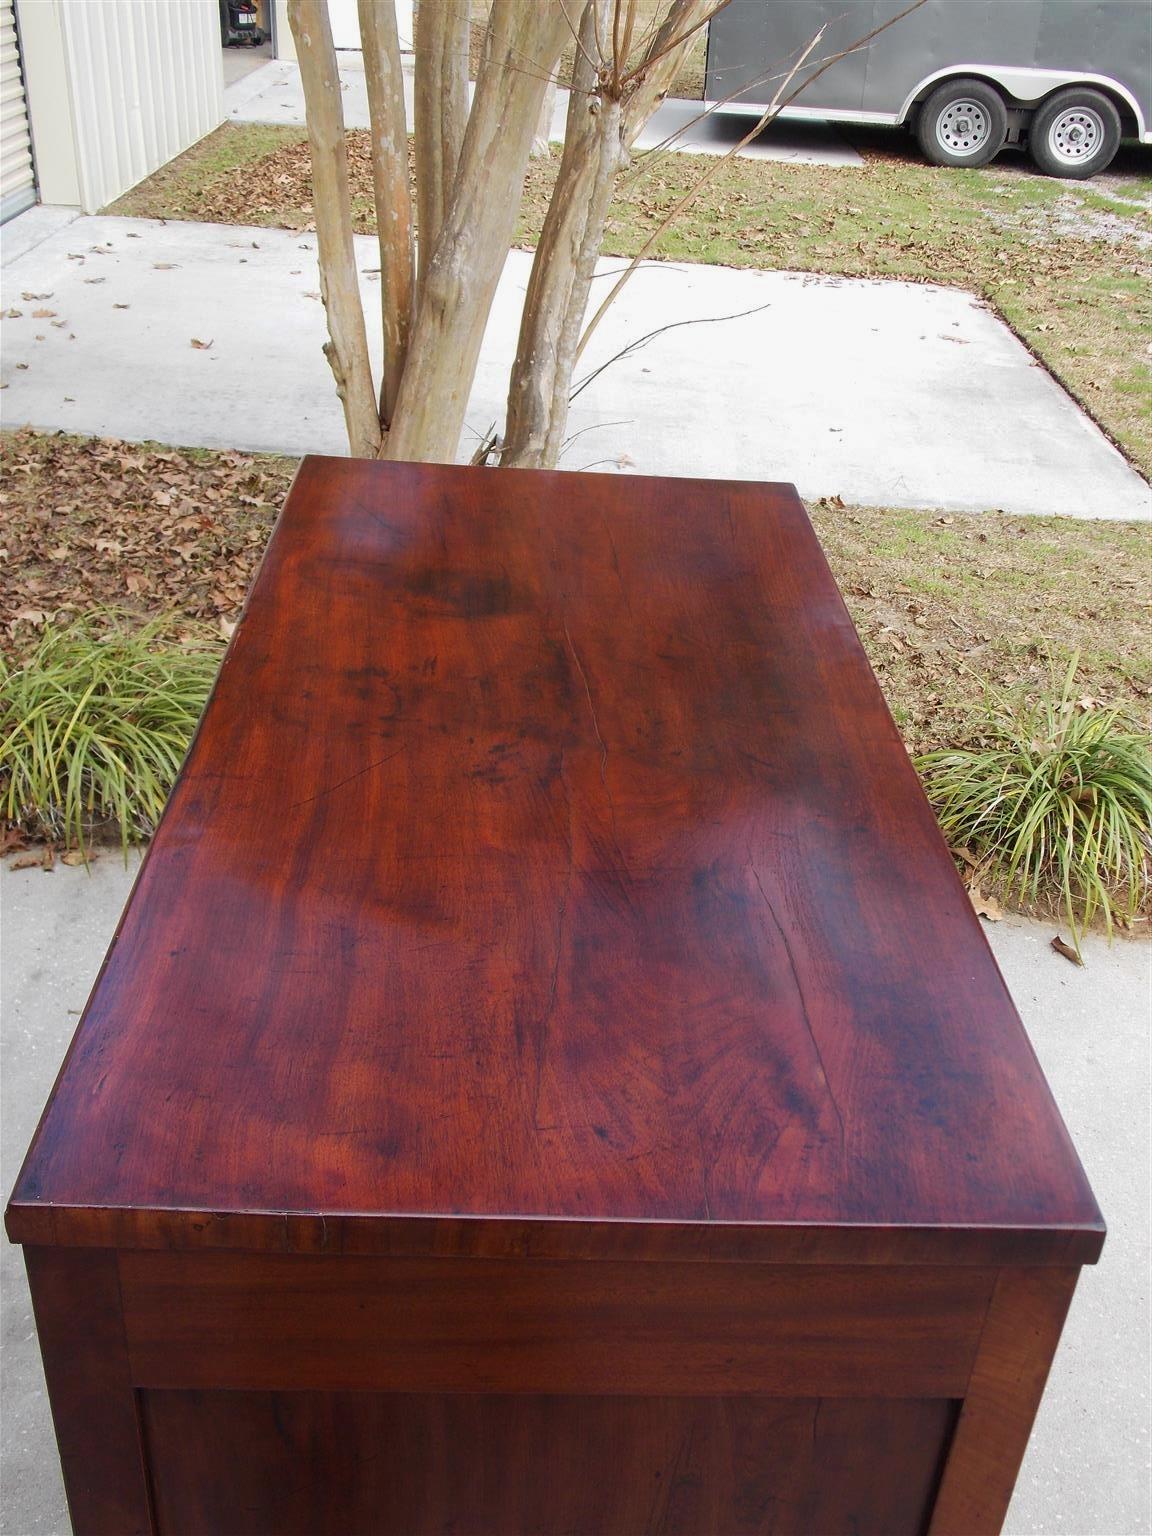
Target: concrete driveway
1086,1469
883,393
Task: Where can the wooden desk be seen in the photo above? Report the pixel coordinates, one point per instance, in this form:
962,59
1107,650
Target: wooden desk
548,1077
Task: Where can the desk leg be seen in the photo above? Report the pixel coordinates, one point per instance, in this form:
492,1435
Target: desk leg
1016,1348
76,1297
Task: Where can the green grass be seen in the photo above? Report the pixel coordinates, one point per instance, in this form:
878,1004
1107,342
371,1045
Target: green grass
947,603
1052,798
95,723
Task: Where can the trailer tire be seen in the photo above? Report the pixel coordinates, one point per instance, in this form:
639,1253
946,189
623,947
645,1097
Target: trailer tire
1074,134
963,122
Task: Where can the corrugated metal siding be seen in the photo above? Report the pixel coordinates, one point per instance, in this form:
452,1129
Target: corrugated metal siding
146,83
17,181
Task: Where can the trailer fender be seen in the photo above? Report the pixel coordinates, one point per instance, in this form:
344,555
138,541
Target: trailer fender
1027,86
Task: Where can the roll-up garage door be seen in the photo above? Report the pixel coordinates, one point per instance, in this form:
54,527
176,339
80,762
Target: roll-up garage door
17,180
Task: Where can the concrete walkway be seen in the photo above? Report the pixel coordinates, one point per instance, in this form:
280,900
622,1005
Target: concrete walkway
273,94
883,393
1086,1469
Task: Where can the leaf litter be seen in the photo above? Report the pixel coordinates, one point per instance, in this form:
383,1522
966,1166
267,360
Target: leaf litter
95,522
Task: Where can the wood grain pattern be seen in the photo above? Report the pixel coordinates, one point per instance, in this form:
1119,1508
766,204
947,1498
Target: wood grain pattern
477,1465
451,1325
547,854
76,1297
1019,1341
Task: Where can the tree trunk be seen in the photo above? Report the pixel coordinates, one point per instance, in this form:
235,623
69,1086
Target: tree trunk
384,78
523,44
441,114
596,144
347,347
565,259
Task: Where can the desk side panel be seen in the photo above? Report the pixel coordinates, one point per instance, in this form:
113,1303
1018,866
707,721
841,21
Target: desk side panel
357,1464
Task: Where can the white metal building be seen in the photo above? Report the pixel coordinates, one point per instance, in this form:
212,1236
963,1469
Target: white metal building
96,94
17,180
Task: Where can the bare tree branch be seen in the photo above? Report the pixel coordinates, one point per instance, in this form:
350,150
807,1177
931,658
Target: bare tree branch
642,341
575,31
668,40
384,78
566,252
347,347
595,146
441,114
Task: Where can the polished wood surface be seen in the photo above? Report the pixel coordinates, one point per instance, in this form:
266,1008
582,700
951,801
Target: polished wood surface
548,857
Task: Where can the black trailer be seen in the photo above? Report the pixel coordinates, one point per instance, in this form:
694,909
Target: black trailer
1067,79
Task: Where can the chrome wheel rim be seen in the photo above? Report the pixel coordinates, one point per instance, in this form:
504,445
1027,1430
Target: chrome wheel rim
1076,135
963,128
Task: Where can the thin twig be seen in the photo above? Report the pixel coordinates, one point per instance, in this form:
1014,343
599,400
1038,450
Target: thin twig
595,426
634,346
592,64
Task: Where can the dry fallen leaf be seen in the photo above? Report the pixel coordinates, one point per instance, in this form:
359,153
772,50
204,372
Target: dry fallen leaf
985,906
1067,951
31,862
97,521
164,266
43,314
201,346
121,306
74,857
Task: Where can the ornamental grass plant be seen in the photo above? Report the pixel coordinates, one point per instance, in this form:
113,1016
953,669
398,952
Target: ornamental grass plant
94,724
1053,800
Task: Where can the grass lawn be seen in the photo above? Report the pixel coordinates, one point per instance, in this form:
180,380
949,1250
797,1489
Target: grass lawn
1067,264
946,605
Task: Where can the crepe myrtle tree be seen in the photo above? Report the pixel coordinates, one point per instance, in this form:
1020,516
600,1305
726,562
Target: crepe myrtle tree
436,292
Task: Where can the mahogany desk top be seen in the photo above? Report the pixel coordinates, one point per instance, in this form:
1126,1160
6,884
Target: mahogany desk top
548,876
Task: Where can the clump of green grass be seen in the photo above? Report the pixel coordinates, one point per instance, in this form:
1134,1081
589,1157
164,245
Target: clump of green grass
1054,799
96,721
